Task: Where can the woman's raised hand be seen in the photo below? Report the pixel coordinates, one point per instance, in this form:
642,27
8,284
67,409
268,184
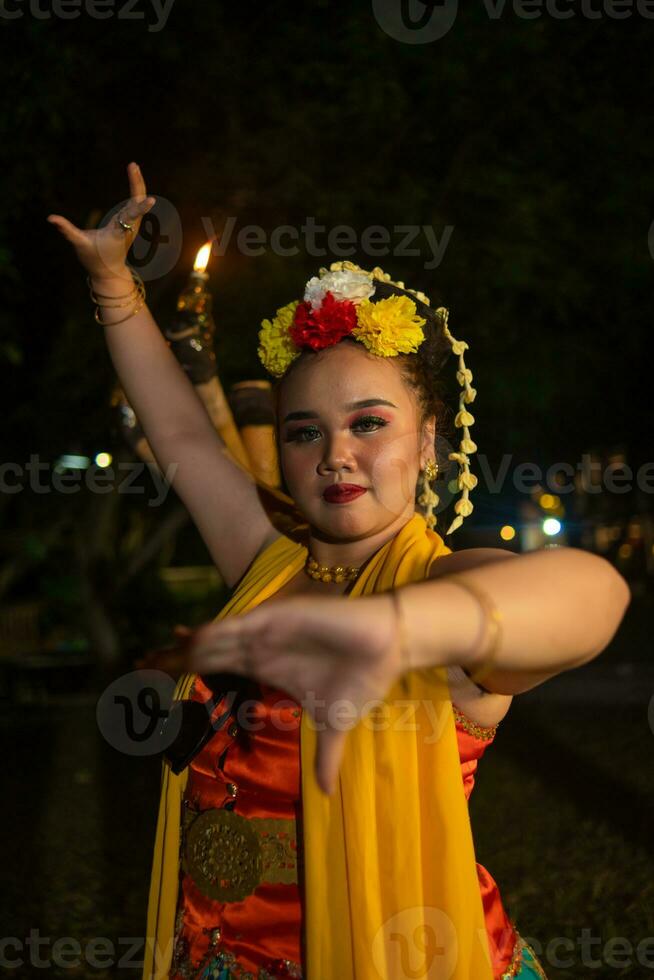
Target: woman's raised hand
323,651
103,251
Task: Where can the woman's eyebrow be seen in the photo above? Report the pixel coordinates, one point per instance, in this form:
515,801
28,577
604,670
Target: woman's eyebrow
365,403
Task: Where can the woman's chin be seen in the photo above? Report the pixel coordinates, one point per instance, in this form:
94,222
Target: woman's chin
349,518
353,524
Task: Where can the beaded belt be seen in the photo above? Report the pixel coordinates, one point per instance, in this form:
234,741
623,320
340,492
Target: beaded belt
228,855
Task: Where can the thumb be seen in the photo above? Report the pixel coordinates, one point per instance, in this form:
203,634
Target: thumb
66,227
329,755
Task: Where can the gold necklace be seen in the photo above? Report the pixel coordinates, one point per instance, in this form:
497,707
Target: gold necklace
330,573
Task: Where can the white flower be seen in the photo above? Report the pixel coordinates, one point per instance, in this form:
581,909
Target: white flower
353,286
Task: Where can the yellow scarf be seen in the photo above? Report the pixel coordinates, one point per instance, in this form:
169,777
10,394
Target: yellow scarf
390,877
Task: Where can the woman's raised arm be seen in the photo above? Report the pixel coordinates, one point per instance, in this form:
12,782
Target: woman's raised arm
221,498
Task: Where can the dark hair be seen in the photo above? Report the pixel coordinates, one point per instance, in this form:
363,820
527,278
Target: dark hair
423,370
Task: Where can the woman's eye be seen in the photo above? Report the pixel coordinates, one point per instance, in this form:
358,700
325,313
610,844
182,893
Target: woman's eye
362,424
299,433
370,420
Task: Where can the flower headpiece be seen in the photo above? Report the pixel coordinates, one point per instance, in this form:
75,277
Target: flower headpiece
339,303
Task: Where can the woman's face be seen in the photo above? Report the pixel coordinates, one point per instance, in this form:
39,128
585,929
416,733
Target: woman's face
378,446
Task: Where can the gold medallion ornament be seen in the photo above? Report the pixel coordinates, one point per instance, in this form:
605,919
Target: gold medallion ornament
228,855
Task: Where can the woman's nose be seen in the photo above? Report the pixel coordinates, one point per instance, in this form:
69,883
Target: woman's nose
337,453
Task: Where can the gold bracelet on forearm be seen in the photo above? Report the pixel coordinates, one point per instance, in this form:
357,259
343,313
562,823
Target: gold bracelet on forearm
137,287
492,637
129,315
137,297
89,283
119,306
102,301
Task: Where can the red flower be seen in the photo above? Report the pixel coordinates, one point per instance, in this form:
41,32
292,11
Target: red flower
324,327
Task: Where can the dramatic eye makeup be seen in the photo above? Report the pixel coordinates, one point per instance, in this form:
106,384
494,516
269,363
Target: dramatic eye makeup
365,403
363,424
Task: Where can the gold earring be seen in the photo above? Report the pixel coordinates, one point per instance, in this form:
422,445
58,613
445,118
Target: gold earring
429,498
431,469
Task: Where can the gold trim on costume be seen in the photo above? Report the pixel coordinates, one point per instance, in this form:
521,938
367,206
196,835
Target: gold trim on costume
486,732
534,963
515,965
518,961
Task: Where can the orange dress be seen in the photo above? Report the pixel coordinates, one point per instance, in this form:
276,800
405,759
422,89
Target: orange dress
255,932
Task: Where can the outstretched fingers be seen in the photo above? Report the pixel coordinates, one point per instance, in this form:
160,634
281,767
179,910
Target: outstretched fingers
138,203
329,755
136,182
66,227
131,214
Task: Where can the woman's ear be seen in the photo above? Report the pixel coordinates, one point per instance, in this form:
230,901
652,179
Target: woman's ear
428,440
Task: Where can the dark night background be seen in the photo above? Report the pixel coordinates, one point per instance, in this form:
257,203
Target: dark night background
532,140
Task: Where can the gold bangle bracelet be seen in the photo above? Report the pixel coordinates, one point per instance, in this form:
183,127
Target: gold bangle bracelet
96,297
136,281
492,626
136,296
114,306
138,287
129,315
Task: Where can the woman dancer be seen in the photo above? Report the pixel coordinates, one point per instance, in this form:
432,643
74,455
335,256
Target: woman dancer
320,828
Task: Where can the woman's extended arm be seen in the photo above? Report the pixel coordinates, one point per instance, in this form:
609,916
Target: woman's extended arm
154,382
221,497
560,607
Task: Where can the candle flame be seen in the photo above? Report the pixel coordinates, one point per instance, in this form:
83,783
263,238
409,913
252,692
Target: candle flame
202,258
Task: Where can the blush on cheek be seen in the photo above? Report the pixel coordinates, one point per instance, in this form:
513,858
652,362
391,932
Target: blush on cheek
392,472
294,473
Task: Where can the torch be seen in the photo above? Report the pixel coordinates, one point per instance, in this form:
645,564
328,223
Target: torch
190,337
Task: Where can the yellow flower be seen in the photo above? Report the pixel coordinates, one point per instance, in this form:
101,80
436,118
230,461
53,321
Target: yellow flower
468,480
463,418
469,395
344,266
389,327
419,295
456,523
276,348
468,446
463,507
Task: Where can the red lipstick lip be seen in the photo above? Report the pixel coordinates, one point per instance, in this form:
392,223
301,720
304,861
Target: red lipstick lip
343,491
